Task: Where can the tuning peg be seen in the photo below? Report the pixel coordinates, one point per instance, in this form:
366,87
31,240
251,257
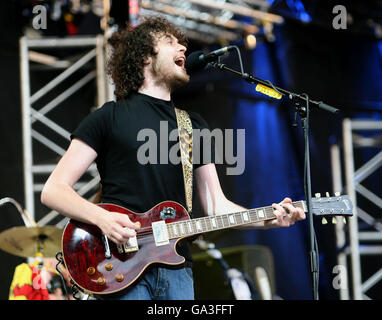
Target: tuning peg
334,221
337,194
327,194
344,220
324,221
317,195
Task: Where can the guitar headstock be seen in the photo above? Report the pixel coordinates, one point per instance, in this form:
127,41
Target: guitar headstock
339,205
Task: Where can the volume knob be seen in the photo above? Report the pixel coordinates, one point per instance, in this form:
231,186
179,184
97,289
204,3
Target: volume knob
90,271
101,281
109,266
119,277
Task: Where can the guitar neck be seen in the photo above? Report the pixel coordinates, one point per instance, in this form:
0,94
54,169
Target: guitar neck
223,221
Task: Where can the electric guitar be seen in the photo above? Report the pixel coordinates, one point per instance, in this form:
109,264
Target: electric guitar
99,266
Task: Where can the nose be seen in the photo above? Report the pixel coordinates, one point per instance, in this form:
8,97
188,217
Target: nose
182,48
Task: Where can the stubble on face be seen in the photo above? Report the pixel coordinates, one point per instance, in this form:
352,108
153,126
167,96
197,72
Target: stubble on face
164,69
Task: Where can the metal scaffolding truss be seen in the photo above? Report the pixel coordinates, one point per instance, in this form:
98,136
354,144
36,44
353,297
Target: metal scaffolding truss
364,232
215,21
32,118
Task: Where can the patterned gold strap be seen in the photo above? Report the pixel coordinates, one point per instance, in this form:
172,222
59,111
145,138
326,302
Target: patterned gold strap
185,140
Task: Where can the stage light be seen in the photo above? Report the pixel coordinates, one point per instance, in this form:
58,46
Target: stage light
250,41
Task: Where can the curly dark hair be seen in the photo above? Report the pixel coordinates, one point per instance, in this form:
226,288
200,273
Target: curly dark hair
131,46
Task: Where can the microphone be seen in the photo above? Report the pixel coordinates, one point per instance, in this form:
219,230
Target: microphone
198,60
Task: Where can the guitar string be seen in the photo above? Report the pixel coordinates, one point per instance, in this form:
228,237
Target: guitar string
224,217
224,221
206,224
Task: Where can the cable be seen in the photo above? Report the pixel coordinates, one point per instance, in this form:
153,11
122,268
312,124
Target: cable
240,61
60,261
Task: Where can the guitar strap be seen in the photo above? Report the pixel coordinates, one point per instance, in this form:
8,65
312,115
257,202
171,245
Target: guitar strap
185,145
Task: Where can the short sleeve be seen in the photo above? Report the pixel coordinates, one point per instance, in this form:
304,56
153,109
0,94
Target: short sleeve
95,129
203,151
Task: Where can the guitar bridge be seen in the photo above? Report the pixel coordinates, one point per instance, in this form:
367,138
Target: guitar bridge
130,246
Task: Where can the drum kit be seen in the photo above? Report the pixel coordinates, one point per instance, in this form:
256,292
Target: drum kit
33,241
27,241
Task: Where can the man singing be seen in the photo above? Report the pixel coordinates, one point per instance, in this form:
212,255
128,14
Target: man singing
147,65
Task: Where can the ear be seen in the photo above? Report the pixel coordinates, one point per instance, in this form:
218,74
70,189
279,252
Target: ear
147,61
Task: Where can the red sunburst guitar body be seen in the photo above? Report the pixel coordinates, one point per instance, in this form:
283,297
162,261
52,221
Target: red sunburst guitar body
84,251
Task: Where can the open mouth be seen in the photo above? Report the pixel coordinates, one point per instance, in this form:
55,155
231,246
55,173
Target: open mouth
180,62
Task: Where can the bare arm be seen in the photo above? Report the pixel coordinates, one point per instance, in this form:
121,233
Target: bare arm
59,195
214,202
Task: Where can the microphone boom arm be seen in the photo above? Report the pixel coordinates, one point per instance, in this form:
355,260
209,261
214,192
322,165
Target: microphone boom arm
251,79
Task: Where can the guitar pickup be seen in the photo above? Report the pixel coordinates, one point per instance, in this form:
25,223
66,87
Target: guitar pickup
130,246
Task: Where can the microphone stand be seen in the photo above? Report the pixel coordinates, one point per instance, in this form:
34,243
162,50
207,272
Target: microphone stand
302,105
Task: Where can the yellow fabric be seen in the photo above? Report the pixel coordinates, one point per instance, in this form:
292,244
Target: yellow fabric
28,281
22,276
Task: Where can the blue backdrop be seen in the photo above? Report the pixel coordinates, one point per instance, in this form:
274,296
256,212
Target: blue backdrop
342,70
272,173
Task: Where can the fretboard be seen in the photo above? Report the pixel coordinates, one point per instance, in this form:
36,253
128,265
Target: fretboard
223,221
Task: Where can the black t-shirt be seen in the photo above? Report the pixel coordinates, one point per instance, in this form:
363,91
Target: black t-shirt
123,134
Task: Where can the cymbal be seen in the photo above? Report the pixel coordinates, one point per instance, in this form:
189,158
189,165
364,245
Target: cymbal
26,241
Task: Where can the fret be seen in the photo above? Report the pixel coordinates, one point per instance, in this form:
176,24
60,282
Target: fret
169,231
253,216
245,216
175,229
221,221
239,218
226,220
231,219
190,227
187,227
260,213
206,225
213,223
216,223
270,212
203,224
198,226
181,228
